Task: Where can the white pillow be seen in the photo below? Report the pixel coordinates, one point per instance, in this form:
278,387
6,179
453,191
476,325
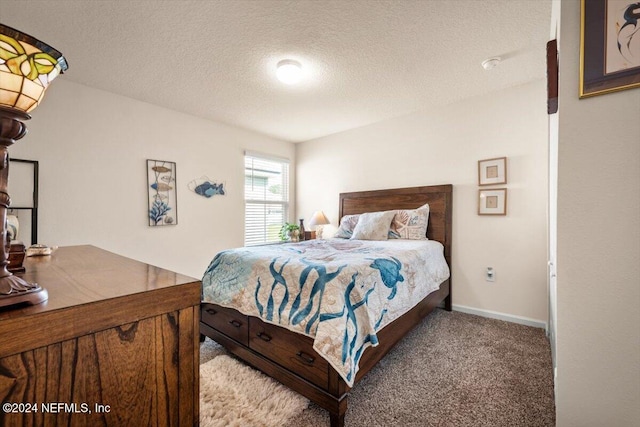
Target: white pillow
373,226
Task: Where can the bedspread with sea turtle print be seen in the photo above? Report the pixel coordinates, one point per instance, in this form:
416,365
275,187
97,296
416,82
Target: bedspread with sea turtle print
339,292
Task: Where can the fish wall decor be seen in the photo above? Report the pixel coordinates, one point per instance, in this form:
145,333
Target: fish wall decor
206,187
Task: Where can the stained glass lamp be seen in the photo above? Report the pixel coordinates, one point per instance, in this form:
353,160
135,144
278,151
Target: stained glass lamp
27,67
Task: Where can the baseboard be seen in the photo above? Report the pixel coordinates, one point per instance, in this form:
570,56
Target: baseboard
500,316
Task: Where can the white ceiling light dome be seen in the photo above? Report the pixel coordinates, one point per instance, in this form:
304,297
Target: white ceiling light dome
289,71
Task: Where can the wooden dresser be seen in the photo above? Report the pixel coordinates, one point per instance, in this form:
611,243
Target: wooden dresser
116,344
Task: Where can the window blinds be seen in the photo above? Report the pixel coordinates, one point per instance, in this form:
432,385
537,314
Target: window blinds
266,198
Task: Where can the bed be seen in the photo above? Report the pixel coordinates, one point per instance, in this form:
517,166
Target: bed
288,354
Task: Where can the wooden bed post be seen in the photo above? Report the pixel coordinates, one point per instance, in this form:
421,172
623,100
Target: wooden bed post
448,219
337,420
447,302
338,389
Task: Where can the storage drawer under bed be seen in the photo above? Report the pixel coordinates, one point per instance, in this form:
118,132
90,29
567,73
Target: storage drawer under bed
295,351
228,321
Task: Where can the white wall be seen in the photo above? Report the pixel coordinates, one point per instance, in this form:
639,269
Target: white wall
441,147
598,329
92,147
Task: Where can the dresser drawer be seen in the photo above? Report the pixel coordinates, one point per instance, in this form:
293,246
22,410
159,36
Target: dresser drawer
228,321
291,350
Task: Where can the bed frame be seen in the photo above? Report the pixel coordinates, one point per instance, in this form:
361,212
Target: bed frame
289,357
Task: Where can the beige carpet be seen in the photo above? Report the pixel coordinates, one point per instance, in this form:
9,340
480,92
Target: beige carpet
453,369
232,394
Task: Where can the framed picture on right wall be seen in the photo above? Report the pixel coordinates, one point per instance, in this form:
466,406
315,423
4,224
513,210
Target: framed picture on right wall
492,201
609,46
492,171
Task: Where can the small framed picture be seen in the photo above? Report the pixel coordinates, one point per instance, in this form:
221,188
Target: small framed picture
492,202
492,171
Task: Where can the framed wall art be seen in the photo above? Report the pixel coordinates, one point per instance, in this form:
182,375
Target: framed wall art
492,171
24,198
609,46
492,202
161,185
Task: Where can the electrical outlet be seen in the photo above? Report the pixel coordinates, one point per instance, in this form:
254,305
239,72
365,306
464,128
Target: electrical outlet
490,275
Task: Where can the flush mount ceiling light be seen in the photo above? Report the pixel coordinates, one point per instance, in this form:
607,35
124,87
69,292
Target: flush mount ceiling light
490,63
289,71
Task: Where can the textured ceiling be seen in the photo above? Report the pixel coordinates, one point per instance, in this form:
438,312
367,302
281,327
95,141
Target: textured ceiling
365,61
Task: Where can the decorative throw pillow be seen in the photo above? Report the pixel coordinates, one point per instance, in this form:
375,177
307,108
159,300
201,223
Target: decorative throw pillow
347,224
373,226
410,224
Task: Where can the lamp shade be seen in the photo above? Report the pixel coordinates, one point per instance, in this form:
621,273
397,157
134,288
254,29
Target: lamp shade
318,218
27,66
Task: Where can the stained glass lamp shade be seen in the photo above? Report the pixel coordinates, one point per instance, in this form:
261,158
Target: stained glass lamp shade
27,67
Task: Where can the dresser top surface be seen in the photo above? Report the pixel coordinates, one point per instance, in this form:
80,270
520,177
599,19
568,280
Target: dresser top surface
77,275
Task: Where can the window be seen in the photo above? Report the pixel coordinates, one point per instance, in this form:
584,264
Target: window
266,198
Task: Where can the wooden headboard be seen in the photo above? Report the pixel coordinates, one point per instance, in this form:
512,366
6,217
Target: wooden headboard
439,198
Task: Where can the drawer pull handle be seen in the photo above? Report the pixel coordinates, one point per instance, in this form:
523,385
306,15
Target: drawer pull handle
305,357
235,323
211,311
264,336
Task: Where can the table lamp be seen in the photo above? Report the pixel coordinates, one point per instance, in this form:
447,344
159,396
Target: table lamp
27,67
318,219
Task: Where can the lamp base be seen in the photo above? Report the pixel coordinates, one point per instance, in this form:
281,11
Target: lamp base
14,290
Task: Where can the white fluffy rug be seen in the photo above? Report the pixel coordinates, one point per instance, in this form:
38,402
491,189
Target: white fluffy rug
235,395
